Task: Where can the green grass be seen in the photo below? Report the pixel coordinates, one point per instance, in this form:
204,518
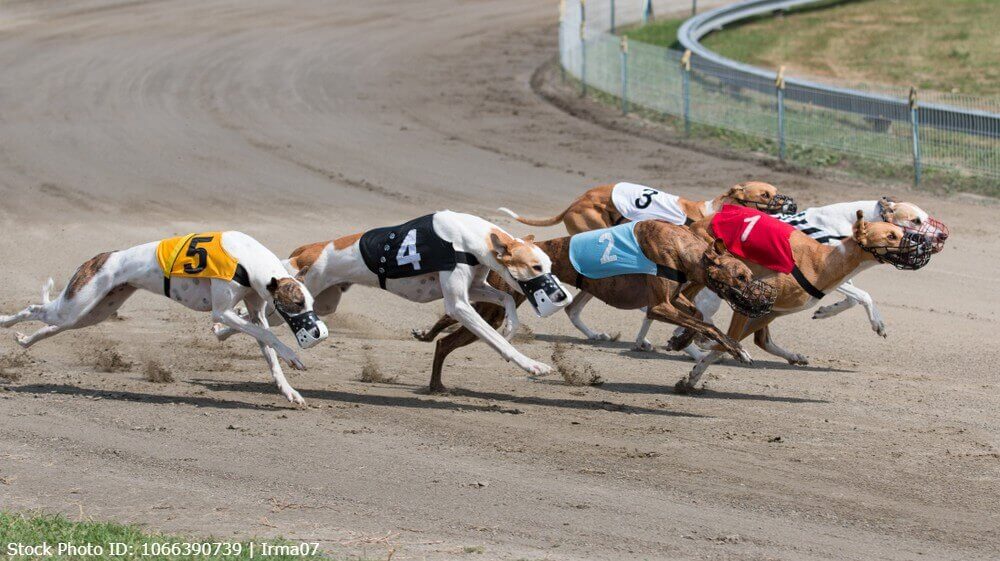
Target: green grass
945,46
54,529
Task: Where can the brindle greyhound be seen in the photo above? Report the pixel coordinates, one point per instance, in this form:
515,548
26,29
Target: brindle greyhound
596,208
824,267
667,245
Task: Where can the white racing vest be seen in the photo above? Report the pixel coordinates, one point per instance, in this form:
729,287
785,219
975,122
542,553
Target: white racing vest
638,202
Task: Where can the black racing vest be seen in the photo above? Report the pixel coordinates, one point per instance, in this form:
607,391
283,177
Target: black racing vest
409,250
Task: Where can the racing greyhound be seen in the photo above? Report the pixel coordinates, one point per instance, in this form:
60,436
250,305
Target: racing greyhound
210,271
610,205
631,266
807,268
442,255
830,225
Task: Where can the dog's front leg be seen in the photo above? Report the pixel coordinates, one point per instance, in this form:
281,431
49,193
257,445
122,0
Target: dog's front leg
642,342
258,316
223,303
576,308
455,288
488,294
855,295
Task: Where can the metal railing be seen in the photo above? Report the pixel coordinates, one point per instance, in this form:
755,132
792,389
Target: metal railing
798,119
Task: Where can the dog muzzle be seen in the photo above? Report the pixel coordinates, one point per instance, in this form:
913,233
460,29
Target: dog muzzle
755,299
934,231
546,294
914,252
309,330
779,204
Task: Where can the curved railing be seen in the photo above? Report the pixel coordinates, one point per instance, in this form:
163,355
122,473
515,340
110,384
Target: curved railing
801,120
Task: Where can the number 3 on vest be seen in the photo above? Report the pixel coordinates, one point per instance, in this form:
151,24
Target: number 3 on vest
407,254
751,222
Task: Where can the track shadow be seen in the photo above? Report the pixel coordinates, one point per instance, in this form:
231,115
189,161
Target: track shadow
729,361
580,340
572,403
630,387
441,401
360,398
156,399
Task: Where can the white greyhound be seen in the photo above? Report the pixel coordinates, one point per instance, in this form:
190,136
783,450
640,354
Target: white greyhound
210,271
445,255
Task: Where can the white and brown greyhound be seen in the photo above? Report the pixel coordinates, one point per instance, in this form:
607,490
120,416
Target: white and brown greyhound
206,272
445,255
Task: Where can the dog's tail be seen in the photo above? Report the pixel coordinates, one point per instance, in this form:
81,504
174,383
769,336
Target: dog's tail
541,222
46,289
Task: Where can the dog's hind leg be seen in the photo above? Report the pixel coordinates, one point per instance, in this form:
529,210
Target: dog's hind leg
642,342
444,322
576,308
763,339
493,315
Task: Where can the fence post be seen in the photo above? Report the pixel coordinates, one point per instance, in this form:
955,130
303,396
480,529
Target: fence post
562,21
583,48
624,49
612,17
647,11
779,85
694,7
915,125
686,90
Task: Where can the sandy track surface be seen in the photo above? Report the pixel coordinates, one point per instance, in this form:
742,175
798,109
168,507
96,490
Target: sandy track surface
130,121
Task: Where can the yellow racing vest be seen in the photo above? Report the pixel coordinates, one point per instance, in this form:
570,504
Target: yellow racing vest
197,256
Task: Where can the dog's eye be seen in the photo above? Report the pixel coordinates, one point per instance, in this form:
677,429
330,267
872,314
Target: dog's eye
917,221
892,235
537,268
767,195
742,278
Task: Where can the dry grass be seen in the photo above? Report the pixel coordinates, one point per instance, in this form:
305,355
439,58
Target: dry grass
156,373
933,45
372,374
110,360
573,373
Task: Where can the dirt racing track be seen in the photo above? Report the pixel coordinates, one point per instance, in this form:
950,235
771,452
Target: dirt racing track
125,122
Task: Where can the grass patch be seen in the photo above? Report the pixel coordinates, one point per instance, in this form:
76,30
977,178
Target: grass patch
33,530
933,45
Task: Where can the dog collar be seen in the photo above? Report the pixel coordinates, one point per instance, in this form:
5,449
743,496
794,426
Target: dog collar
809,287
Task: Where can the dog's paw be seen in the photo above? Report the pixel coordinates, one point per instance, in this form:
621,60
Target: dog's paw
798,360
293,396
605,337
22,339
643,347
824,312
744,357
222,332
508,329
536,369
422,335
685,387
678,342
879,328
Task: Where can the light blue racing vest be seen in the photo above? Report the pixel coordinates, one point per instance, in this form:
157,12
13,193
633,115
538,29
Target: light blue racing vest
609,252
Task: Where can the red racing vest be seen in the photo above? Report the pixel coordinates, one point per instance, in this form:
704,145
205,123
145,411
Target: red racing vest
755,236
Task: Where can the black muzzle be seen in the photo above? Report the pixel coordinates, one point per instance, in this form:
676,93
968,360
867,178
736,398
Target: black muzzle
545,294
307,327
779,204
755,299
914,251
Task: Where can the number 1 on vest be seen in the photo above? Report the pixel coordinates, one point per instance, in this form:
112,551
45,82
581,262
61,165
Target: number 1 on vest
407,254
751,222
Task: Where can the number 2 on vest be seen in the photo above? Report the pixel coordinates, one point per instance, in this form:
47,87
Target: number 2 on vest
751,222
607,257
407,254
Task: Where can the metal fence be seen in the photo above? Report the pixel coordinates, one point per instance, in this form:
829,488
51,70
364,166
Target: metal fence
797,119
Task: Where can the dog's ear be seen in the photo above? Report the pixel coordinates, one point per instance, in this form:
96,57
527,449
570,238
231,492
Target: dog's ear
500,243
860,227
737,191
301,275
530,238
888,206
272,286
716,250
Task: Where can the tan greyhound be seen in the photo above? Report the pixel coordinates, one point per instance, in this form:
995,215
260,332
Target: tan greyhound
610,205
818,268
